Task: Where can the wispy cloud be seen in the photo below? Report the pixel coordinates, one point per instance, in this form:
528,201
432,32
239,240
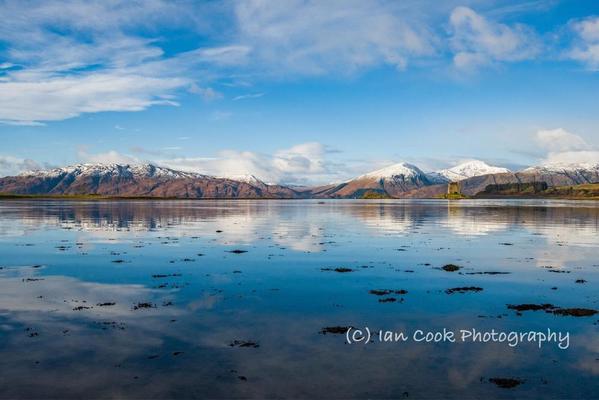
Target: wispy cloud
248,96
207,93
317,37
77,57
478,41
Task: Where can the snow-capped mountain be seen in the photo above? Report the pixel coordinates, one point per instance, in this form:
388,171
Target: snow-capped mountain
397,180
563,168
562,174
392,180
466,170
247,178
145,180
401,171
113,170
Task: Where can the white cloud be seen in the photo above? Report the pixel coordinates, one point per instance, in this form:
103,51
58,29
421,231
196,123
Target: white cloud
69,58
109,157
588,29
586,46
248,96
557,140
57,98
305,158
476,40
318,37
305,163
300,164
573,157
207,93
73,57
564,147
10,166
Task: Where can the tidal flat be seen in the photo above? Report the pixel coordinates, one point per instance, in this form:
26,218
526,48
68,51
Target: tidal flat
253,299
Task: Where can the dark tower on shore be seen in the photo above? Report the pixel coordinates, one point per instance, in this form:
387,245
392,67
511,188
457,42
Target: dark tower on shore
453,188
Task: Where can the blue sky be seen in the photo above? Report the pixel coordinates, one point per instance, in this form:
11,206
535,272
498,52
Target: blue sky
298,91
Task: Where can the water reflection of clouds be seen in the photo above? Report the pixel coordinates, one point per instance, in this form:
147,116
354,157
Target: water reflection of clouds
23,290
587,361
462,222
299,225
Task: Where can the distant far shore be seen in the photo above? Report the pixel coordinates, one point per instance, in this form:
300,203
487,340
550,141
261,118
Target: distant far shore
92,197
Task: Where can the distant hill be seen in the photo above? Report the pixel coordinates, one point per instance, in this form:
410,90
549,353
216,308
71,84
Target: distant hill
137,181
391,181
541,189
402,180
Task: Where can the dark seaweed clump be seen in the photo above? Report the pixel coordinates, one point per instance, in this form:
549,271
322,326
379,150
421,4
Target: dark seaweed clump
550,308
244,343
143,305
388,300
338,269
575,312
384,292
530,307
506,383
450,267
335,330
464,289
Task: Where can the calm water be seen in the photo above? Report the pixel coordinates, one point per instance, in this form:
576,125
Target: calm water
145,299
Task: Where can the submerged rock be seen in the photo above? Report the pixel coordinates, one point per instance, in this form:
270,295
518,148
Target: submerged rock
506,383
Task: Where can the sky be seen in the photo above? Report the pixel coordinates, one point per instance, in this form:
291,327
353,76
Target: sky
298,91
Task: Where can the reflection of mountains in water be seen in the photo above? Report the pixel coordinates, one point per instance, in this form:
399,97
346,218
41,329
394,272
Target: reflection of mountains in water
473,219
238,219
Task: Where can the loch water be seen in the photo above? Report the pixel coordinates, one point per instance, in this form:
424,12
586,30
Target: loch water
238,299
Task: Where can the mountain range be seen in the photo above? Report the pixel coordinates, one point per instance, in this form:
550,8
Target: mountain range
398,180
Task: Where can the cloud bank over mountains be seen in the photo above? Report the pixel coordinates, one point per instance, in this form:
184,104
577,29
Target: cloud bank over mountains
565,147
305,163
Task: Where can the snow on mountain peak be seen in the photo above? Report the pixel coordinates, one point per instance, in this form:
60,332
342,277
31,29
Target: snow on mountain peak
246,178
467,170
403,169
137,170
559,167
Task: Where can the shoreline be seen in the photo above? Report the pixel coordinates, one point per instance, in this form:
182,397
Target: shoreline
7,197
